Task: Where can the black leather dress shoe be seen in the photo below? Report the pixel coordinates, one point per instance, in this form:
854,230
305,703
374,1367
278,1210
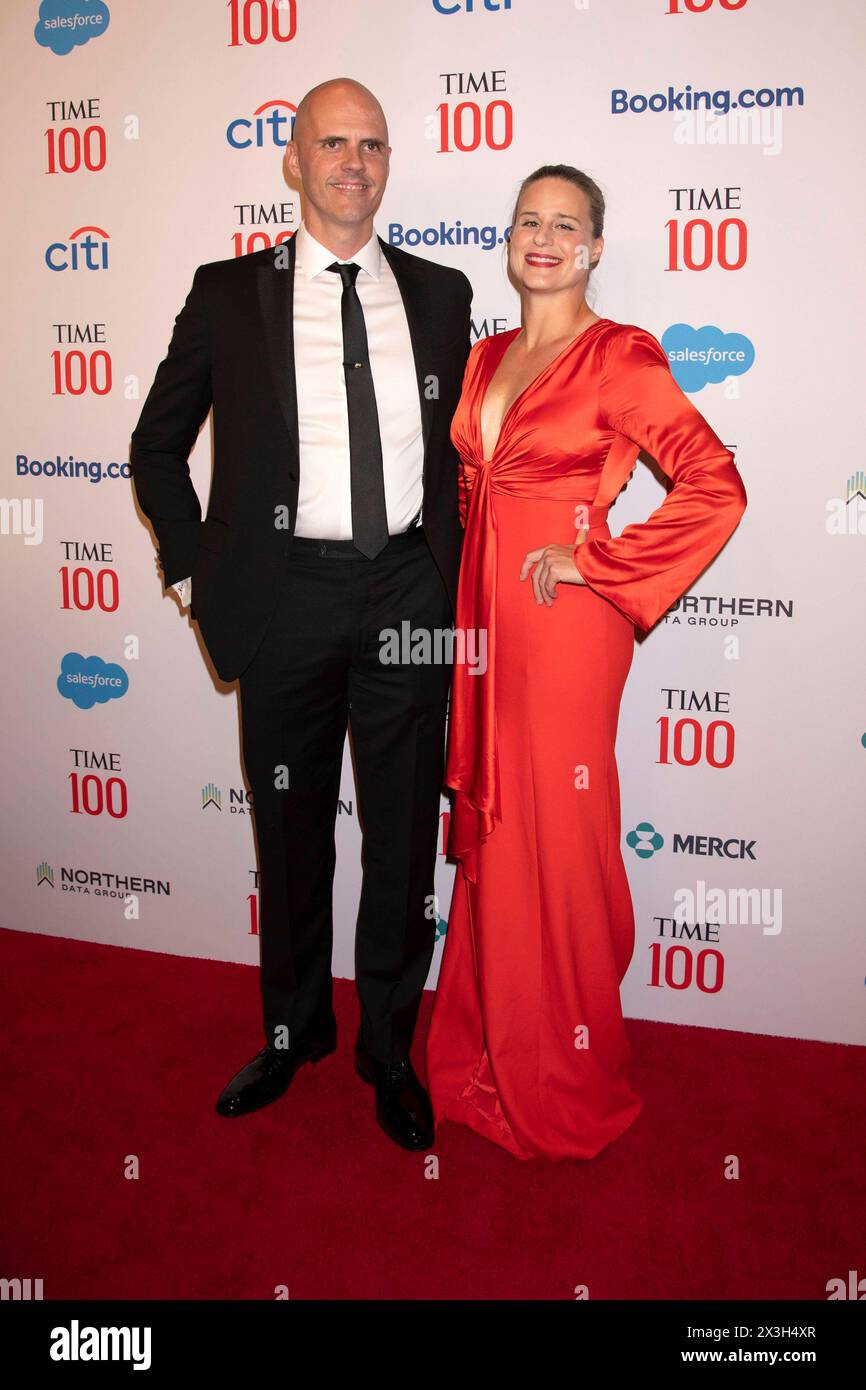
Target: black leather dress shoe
403,1107
268,1076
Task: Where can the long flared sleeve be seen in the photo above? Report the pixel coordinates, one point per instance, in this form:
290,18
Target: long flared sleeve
645,569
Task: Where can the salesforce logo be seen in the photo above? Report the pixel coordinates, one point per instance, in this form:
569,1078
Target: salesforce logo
64,24
699,356
89,681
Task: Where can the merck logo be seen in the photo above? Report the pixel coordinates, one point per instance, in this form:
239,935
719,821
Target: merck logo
644,840
86,249
275,128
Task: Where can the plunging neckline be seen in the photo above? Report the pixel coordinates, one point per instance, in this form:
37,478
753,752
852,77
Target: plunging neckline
552,363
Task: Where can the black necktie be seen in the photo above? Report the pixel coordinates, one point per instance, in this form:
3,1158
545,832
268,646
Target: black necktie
369,516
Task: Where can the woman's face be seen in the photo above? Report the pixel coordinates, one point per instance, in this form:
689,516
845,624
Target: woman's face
551,244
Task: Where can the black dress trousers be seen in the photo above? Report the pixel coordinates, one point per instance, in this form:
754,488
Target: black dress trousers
320,668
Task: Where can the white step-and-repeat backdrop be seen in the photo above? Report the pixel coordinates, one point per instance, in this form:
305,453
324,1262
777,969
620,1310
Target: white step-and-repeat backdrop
143,139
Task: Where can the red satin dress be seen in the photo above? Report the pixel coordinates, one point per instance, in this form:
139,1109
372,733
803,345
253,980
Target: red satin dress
527,1044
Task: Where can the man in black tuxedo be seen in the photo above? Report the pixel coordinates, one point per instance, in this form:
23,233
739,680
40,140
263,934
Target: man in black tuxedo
333,365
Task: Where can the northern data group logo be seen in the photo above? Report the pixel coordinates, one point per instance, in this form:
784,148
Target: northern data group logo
66,24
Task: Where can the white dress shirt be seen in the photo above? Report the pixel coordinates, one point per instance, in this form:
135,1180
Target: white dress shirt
324,493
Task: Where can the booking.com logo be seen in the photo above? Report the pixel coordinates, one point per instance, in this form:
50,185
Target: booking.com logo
91,470
688,99
89,681
446,234
699,356
66,24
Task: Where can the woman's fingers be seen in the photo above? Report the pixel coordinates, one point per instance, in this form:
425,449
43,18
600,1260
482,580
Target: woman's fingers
543,581
546,584
529,560
548,581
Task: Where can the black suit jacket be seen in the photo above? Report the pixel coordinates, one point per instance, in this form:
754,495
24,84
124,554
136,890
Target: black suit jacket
232,349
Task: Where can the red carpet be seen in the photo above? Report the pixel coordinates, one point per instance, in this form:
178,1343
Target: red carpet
110,1053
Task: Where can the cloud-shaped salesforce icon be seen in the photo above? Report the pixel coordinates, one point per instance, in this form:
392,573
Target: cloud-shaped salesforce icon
89,681
64,24
699,356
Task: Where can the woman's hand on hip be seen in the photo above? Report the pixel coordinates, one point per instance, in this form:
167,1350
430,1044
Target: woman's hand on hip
554,564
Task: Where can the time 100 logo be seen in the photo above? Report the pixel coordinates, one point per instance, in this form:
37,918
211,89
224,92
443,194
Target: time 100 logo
256,21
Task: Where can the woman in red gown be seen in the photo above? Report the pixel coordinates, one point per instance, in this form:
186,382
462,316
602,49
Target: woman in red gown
527,1044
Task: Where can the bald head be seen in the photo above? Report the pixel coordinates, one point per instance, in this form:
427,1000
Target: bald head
339,151
339,90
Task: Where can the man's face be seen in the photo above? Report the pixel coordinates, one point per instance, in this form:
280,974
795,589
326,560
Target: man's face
341,156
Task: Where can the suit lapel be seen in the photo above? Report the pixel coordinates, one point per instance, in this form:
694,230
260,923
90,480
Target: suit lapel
276,284
413,287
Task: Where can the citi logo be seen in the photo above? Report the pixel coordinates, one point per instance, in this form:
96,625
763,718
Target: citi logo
77,1343
271,124
20,1290
85,249
468,6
